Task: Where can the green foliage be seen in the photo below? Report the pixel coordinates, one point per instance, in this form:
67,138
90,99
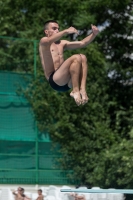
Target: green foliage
95,139
82,132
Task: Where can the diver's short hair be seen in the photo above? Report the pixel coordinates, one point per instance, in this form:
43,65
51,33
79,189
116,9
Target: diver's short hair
47,23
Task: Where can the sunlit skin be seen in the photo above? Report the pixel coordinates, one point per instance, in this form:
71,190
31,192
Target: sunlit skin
72,71
40,196
18,194
24,196
77,196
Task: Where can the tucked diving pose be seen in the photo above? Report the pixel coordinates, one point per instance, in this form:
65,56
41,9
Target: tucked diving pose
61,74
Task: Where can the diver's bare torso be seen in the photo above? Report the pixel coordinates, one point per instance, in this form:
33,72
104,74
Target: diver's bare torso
51,56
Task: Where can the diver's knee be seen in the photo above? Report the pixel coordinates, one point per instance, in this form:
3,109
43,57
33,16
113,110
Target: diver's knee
77,58
83,57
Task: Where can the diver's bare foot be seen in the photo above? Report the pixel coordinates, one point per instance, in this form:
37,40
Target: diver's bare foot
84,97
71,94
77,97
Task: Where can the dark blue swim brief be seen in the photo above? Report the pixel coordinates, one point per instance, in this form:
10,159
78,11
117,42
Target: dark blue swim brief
56,87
